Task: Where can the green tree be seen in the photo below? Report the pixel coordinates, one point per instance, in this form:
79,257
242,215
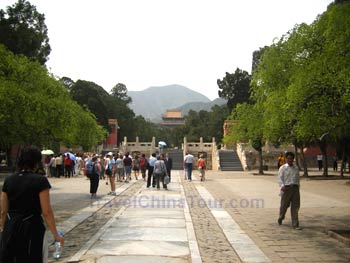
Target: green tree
36,108
303,82
257,54
120,92
249,127
67,82
234,87
91,96
217,117
326,86
23,31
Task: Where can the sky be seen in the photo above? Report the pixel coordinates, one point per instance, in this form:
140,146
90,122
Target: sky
144,43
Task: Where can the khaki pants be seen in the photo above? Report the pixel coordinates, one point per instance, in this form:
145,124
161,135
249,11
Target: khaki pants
291,197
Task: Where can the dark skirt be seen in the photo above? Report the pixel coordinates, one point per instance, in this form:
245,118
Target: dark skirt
94,181
22,239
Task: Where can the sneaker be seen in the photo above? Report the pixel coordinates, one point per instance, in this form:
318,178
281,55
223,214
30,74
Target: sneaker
114,193
297,228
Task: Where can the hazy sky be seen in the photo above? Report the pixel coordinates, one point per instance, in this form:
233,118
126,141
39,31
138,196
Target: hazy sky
144,43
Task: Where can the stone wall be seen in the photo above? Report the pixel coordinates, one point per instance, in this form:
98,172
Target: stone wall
250,157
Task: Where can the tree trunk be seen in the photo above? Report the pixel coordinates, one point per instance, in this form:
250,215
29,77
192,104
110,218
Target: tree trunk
323,148
342,164
306,173
261,170
296,157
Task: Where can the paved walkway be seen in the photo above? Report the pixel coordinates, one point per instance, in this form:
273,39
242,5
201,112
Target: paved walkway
231,217
152,226
253,202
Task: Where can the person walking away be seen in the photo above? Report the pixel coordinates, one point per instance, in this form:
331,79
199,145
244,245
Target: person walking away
52,166
111,173
150,176
25,199
67,166
281,160
335,163
95,177
169,165
289,181
78,165
320,161
127,161
160,172
47,165
188,163
143,166
107,171
201,167
135,165
120,168
59,166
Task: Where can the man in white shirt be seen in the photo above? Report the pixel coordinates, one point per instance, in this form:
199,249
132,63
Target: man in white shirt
188,163
151,163
288,180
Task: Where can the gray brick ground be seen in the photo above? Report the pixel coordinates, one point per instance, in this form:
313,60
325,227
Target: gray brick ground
281,243
212,243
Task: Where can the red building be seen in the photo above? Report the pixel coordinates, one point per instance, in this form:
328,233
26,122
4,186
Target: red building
112,140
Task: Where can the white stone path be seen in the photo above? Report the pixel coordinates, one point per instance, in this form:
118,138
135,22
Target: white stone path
156,226
153,226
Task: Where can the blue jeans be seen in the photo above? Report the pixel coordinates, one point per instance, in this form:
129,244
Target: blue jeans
189,171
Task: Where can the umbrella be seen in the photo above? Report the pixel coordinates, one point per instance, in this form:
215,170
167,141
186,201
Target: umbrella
71,156
47,152
161,143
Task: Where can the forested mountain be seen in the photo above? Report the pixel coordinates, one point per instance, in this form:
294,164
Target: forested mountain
198,106
151,103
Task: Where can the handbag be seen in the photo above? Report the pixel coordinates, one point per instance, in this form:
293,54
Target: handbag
109,171
166,179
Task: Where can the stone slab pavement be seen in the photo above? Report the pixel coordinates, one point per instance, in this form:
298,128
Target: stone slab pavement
231,217
152,226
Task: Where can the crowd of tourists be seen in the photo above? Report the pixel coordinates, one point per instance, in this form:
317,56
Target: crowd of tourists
118,167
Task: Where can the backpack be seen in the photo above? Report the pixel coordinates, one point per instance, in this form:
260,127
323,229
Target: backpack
89,168
127,161
143,162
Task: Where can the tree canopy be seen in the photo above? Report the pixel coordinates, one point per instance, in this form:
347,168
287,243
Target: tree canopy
23,31
35,108
302,83
234,87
